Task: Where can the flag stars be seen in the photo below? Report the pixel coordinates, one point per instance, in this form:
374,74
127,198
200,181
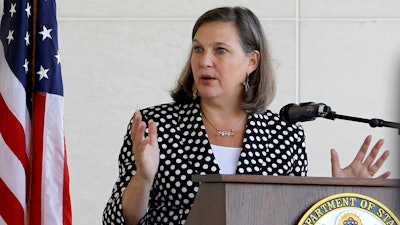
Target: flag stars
27,38
43,73
26,65
28,10
12,10
46,33
58,57
10,36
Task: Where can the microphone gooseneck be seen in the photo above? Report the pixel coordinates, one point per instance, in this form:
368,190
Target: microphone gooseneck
308,111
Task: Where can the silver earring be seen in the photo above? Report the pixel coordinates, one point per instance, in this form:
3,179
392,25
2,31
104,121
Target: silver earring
194,93
246,83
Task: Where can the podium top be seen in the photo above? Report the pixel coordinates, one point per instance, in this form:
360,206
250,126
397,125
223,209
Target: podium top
261,179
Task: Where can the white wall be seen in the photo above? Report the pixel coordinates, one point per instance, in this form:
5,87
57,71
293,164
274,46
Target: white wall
118,56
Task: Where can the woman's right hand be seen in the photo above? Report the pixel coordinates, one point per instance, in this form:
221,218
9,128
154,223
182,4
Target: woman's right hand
145,149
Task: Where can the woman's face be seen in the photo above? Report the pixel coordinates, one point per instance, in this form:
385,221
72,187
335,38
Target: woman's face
218,61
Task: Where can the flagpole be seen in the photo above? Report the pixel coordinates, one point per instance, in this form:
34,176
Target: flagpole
34,34
31,105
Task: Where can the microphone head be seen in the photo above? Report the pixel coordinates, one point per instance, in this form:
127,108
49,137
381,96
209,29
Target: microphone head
308,111
284,113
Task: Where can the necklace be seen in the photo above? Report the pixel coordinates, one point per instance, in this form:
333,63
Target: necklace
224,133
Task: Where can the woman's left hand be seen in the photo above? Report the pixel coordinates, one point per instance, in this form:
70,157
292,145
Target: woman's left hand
361,167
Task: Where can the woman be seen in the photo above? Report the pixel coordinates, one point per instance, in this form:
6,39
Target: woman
218,123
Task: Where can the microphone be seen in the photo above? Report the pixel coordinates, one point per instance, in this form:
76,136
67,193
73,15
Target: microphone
308,111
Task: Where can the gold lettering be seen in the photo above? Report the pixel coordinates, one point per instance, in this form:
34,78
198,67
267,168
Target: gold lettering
308,221
380,212
345,202
313,218
331,205
318,212
390,223
363,204
338,202
371,205
387,216
324,207
353,201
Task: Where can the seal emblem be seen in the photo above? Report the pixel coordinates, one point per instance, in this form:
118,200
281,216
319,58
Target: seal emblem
349,209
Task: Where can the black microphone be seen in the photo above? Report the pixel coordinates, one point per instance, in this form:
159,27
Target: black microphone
308,111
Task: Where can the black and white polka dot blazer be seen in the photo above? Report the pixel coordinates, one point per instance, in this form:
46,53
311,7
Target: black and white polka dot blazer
270,147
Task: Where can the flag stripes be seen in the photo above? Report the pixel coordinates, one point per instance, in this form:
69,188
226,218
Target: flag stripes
13,133
49,178
14,147
12,212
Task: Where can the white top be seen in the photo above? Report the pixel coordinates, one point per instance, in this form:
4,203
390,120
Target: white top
227,158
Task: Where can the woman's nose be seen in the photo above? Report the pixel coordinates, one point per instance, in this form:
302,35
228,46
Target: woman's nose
206,59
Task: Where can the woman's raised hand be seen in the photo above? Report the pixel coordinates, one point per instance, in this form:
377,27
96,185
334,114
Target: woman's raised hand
363,165
145,148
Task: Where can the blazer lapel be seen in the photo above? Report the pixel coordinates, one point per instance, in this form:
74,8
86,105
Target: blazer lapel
252,159
194,142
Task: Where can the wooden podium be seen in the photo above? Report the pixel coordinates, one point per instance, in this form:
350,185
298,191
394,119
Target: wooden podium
272,200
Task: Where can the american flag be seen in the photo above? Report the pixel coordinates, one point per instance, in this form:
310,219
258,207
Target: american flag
34,179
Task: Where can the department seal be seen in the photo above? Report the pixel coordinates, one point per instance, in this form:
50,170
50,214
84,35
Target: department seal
349,209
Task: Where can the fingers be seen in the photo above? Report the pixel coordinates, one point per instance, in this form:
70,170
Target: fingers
373,169
153,133
385,175
144,147
364,165
137,117
374,152
372,165
381,159
138,130
335,164
363,149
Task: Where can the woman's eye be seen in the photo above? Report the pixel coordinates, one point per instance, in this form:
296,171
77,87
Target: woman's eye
197,49
221,50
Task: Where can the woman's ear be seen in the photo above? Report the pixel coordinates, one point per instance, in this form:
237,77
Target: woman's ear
254,60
